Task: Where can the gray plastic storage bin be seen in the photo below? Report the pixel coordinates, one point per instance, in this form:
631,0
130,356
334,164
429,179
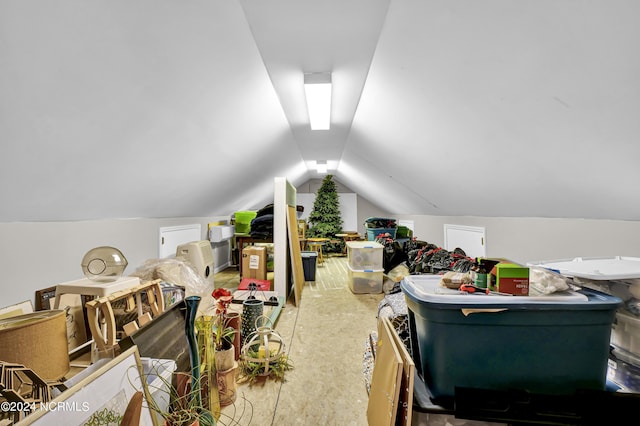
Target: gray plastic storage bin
309,265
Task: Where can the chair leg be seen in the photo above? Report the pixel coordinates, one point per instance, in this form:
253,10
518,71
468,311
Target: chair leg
318,249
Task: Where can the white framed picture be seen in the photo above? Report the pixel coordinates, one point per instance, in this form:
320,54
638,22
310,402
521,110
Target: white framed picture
103,395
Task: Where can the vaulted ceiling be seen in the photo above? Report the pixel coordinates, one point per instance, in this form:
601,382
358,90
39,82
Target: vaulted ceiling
160,108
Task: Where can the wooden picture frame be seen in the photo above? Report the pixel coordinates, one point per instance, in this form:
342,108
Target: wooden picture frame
45,298
78,332
110,387
405,402
21,308
386,378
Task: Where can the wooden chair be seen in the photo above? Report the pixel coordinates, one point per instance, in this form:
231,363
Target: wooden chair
316,244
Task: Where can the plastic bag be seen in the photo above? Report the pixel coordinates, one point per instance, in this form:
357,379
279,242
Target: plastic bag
546,282
178,272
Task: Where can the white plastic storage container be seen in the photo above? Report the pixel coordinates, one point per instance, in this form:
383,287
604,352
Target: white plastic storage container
365,281
624,370
625,333
595,268
218,234
364,255
618,276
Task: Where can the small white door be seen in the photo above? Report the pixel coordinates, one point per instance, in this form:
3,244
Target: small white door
172,236
471,239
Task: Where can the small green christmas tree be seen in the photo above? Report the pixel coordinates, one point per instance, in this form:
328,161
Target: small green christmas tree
325,218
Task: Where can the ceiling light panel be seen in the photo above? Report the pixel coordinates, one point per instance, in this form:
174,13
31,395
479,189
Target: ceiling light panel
317,89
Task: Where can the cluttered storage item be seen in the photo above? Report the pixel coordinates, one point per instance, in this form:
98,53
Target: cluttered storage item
618,276
551,344
103,264
364,254
365,281
377,226
38,341
242,220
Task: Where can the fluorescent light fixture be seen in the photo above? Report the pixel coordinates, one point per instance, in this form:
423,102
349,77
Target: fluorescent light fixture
321,166
317,89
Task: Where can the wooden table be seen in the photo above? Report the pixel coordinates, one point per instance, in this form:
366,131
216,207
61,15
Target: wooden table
349,236
315,244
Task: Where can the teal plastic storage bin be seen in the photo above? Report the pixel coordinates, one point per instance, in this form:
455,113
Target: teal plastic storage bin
373,232
554,344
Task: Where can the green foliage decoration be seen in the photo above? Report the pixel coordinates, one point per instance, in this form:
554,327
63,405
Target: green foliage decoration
325,218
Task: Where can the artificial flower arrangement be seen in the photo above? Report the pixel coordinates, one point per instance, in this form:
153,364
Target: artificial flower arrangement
223,334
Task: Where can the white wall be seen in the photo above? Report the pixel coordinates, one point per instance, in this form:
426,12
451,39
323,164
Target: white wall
531,239
41,254
36,255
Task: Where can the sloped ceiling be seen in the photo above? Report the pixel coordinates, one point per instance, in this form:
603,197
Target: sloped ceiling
159,108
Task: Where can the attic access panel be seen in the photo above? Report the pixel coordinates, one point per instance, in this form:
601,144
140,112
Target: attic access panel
172,236
471,239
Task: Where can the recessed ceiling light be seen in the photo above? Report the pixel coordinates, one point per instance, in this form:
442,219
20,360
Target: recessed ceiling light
317,89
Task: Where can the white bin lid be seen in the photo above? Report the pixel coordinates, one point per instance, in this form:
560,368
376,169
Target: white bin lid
595,268
428,289
364,244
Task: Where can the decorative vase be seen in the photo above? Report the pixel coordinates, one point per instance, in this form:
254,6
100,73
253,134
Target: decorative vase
224,358
227,385
232,320
192,303
251,310
196,422
208,382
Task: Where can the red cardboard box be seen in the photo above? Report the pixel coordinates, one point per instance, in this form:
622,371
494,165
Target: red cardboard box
512,278
263,285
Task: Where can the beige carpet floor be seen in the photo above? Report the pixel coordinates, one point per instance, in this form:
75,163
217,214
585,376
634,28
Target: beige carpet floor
325,339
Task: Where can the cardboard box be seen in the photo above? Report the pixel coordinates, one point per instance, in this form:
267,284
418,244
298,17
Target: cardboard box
512,279
254,262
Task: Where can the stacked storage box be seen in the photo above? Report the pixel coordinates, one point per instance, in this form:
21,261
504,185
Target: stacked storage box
624,359
618,276
243,221
380,225
365,266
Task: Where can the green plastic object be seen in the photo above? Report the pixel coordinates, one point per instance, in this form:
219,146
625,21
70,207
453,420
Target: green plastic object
243,221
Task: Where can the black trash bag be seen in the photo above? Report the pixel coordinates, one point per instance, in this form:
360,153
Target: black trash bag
262,227
412,244
392,255
416,252
460,261
380,222
266,210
